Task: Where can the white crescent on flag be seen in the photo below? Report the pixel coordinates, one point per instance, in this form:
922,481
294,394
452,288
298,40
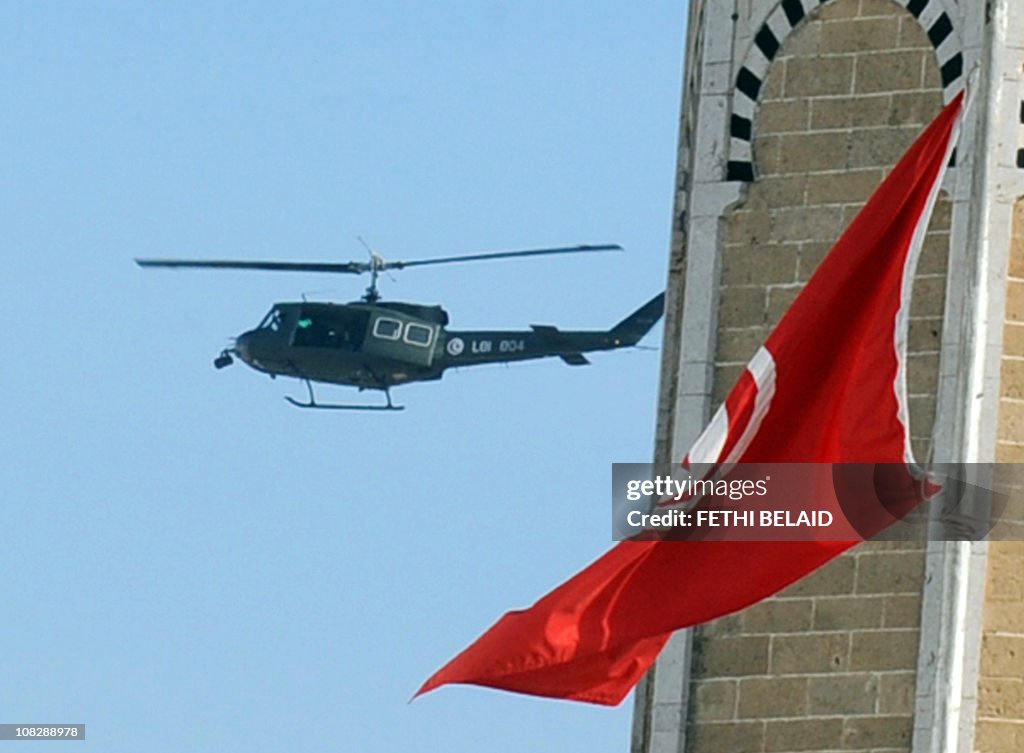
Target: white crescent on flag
737,420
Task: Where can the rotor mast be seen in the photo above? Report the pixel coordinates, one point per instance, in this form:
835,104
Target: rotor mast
376,265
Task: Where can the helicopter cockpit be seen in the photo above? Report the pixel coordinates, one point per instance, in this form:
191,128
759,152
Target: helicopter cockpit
339,328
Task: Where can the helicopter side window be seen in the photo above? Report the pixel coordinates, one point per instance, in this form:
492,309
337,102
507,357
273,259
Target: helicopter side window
387,329
417,334
308,332
340,330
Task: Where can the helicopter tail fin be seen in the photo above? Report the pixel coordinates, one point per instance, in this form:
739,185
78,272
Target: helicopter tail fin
639,323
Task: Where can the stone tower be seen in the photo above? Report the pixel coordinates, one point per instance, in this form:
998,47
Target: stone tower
793,112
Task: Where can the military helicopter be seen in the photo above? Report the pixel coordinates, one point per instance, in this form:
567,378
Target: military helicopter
373,344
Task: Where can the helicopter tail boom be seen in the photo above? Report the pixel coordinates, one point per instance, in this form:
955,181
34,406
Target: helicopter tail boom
544,340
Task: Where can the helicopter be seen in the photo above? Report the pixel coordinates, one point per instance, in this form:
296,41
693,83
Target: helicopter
372,344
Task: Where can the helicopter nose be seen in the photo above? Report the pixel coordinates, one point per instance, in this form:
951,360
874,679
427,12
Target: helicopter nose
243,346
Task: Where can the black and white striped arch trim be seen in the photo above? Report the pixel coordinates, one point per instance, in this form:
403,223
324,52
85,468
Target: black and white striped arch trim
783,19
1020,151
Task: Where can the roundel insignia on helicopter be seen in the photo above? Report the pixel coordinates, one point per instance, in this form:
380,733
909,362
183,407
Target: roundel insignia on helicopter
455,346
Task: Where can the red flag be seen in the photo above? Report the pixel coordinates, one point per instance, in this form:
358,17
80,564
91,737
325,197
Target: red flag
827,387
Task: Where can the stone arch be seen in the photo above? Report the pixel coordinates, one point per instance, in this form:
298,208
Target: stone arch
932,16
822,145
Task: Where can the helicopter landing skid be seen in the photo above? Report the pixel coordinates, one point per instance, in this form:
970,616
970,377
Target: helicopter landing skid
312,403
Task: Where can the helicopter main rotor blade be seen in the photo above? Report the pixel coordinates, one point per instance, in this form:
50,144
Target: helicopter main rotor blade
499,255
360,267
351,267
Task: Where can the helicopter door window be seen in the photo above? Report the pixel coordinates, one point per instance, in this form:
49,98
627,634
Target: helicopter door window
308,332
352,330
417,334
387,329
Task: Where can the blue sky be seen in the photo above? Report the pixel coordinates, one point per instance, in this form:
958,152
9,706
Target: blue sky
188,563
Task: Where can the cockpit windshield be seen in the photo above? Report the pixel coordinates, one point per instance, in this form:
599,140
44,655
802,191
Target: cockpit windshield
272,320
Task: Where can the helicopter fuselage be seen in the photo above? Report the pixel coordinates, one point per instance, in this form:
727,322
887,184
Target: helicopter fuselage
378,345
